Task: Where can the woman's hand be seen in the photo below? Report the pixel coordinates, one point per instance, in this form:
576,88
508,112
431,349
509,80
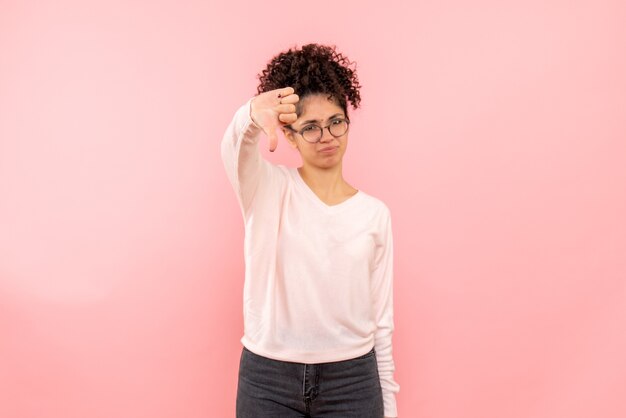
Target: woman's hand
272,109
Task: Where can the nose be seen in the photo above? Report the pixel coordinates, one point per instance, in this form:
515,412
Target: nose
326,135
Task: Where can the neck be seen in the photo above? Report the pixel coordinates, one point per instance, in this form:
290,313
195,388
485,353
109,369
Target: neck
326,182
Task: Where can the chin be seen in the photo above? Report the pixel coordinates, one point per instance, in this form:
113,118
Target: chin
330,163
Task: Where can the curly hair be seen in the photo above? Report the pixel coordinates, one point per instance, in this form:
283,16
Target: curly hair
314,69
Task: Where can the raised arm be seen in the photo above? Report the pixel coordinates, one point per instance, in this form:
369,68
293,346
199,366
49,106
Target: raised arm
244,164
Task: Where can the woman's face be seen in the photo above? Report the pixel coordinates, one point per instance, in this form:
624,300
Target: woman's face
318,110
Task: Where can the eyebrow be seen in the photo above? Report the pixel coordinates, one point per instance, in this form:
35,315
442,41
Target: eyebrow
316,120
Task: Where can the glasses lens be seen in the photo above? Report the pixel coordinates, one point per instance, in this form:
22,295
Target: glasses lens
312,133
338,127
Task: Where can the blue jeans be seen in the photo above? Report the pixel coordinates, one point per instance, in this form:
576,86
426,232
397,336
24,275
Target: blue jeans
269,388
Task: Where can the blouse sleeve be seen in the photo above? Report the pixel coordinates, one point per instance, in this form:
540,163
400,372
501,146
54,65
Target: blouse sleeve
245,166
382,296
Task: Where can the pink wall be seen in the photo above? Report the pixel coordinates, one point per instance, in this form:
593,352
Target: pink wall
496,134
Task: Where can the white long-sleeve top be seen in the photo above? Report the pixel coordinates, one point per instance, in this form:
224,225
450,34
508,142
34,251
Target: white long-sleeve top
318,281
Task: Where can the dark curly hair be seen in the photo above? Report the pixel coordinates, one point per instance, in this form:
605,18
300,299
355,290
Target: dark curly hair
314,69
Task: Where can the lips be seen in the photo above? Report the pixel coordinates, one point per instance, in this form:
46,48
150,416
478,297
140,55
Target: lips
327,149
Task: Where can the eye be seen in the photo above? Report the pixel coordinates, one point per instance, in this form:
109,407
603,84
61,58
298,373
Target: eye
308,128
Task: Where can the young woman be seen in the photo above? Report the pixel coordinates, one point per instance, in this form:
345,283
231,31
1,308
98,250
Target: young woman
318,288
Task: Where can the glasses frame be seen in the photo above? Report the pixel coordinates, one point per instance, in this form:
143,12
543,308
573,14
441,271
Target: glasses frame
300,132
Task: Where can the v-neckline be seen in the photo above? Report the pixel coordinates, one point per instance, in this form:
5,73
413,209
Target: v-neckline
329,208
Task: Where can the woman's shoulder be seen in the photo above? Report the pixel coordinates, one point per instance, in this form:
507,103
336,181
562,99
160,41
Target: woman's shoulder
376,204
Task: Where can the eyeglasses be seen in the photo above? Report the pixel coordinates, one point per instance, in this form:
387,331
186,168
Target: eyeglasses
313,133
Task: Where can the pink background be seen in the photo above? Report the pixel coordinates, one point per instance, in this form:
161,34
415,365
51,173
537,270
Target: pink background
495,132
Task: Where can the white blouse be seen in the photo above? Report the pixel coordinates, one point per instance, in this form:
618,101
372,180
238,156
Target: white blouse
319,278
